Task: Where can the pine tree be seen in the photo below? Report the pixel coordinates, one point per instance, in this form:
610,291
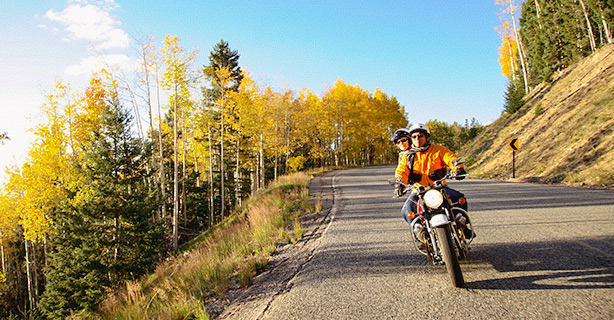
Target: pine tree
104,235
225,75
222,57
513,96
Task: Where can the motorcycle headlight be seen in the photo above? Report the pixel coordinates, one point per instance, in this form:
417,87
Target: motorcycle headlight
433,199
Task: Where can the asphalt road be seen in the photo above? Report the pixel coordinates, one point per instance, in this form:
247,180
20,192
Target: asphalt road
541,252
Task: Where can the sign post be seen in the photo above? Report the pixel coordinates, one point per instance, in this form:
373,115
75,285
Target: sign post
513,146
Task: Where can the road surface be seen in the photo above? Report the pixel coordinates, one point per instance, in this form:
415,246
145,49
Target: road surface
541,252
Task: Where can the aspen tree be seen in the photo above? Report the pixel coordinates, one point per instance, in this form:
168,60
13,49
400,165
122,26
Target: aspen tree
150,63
591,36
510,8
508,52
176,79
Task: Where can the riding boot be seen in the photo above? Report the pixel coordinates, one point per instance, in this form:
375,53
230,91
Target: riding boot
462,222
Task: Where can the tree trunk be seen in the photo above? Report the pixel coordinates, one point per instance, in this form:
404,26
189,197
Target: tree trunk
237,186
2,249
521,55
261,161
195,161
591,36
35,274
538,10
45,251
162,177
175,177
210,177
275,169
222,202
148,96
29,276
184,205
158,216
513,64
606,28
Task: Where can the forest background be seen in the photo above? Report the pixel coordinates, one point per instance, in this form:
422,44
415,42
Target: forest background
99,175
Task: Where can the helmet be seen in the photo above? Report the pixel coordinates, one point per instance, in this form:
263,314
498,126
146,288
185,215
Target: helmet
400,134
419,127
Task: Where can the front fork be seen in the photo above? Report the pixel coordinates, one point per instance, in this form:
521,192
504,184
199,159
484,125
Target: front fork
432,251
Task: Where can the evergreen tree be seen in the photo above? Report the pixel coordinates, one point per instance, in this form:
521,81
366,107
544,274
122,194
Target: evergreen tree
222,57
104,233
558,33
225,75
513,96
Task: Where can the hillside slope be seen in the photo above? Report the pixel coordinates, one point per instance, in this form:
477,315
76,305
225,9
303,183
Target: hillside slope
565,130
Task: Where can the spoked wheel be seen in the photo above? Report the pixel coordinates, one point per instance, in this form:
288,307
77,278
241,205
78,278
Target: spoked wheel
444,237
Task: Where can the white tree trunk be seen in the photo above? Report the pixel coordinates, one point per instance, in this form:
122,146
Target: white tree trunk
521,55
237,186
175,178
210,178
2,249
261,160
606,28
591,37
222,162
29,275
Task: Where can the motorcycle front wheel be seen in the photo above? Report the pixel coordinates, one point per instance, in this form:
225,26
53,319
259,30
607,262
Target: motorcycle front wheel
450,259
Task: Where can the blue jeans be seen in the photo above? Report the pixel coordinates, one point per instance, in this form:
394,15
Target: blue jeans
412,201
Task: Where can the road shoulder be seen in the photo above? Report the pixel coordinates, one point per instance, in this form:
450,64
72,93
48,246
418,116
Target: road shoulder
286,263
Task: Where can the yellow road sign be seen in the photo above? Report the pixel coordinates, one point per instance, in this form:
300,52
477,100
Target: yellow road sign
513,144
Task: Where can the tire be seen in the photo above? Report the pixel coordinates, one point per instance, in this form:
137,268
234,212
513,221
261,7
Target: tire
449,257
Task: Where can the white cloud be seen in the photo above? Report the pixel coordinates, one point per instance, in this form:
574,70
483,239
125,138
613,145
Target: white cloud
92,22
90,65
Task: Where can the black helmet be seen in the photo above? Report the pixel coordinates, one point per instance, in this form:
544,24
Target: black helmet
400,134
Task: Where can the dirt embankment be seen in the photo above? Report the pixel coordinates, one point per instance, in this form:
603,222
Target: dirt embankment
565,130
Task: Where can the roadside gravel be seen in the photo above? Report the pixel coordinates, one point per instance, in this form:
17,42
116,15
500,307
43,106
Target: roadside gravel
252,302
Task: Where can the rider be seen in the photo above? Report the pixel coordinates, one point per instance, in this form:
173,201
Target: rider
429,164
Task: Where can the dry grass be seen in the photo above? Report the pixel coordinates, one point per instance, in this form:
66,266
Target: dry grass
230,256
565,130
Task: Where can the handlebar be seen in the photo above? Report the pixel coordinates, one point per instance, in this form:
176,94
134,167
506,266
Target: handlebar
437,183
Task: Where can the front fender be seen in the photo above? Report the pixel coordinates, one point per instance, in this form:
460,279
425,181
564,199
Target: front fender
439,220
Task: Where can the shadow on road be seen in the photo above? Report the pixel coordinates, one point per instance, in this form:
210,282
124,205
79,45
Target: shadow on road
570,263
574,264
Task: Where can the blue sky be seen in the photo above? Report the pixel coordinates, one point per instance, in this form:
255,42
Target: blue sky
438,58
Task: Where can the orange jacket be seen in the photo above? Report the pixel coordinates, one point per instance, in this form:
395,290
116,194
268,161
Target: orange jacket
435,157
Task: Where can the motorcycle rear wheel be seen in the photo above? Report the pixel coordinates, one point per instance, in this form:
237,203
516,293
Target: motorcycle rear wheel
450,259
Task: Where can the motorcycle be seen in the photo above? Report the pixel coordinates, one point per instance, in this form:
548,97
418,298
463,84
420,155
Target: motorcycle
445,227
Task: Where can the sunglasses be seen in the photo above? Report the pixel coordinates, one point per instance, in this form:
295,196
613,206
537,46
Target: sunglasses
417,136
402,140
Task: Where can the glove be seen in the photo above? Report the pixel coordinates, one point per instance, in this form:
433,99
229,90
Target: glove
460,173
414,177
399,188
399,191
438,174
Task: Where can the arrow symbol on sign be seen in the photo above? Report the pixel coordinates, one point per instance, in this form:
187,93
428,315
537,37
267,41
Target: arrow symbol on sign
514,144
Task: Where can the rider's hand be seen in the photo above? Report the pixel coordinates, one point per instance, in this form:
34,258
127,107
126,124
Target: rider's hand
399,188
399,191
460,173
414,178
438,174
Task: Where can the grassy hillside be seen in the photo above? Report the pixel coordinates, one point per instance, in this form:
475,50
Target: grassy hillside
565,130
224,258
